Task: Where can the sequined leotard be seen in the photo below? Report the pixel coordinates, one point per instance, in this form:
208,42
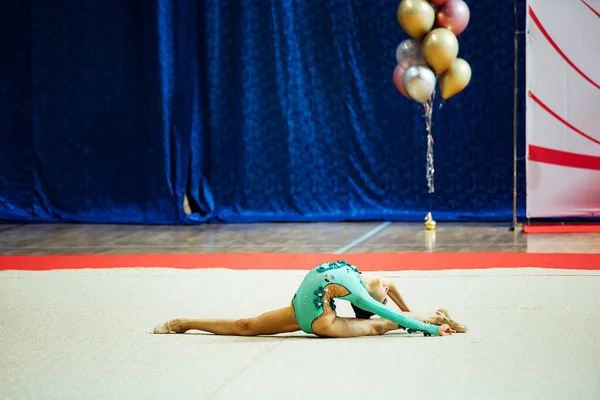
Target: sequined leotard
309,299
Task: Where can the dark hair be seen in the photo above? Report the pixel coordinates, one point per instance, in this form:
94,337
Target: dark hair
360,313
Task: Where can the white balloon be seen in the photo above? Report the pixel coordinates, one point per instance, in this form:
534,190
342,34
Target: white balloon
419,82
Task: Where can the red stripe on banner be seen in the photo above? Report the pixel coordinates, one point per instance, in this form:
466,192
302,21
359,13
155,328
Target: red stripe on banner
591,8
280,261
553,43
569,228
558,117
563,158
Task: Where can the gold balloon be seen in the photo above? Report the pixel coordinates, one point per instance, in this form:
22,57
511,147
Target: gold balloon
416,17
440,49
455,79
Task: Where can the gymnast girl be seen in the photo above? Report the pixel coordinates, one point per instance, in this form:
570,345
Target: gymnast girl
312,310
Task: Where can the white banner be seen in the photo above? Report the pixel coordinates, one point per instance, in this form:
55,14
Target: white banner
563,108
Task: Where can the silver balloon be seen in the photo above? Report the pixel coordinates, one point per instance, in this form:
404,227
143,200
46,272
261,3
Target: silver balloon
419,82
409,52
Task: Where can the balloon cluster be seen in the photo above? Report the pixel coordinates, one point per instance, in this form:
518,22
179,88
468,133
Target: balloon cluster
430,56
431,53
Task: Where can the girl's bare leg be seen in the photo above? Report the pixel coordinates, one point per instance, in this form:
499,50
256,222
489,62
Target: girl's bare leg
330,325
269,323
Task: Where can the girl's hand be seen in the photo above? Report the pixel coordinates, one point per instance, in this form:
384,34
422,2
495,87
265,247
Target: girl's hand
445,330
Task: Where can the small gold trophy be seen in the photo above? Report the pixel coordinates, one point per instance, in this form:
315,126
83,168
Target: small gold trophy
429,222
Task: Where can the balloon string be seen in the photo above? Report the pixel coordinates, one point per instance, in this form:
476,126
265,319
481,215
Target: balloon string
428,107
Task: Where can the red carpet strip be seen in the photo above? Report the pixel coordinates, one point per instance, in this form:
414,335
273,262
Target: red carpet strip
282,261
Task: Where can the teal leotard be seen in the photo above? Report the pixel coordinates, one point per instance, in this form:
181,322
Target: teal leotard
308,301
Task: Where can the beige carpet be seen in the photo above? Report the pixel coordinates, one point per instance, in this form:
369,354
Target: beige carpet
535,334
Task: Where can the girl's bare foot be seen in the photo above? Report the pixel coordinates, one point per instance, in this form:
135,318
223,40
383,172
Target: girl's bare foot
459,328
172,326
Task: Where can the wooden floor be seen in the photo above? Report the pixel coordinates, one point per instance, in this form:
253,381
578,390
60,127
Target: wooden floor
339,238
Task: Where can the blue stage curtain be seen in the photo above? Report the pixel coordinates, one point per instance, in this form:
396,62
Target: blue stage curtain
258,110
